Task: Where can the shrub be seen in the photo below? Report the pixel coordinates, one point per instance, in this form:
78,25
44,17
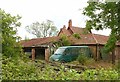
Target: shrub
99,74
63,41
82,58
76,36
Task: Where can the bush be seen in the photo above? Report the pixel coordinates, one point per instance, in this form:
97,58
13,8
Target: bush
12,70
76,35
99,74
82,58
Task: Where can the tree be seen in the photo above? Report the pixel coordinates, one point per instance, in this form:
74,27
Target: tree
8,24
44,29
63,41
104,15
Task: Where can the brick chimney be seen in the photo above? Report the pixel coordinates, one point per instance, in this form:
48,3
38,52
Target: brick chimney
70,23
64,27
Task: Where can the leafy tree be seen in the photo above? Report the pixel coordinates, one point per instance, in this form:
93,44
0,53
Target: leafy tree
43,29
8,24
63,41
103,15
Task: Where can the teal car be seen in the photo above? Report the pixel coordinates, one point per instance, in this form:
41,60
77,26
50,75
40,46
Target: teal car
69,53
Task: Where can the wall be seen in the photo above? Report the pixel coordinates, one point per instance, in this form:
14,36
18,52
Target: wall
93,49
47,54
117,52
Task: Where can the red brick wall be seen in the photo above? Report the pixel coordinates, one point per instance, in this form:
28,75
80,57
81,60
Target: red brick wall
117,53
47,54
33,53
93,49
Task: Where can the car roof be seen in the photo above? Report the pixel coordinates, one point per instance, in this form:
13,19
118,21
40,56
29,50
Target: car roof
74,47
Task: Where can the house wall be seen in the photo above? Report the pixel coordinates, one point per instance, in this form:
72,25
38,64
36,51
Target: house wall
47,54
109,55
93,50
117,52
106,57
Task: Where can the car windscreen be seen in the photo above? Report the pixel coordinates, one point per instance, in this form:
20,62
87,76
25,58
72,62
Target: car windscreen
59,51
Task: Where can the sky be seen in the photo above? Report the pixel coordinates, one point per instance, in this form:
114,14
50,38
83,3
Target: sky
59,11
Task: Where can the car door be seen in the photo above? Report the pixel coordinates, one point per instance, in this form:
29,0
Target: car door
67,55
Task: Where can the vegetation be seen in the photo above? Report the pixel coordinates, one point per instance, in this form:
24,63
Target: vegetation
63,41
85,60
44,29
103,15
76,35
10,47
82,58
29,70
15,65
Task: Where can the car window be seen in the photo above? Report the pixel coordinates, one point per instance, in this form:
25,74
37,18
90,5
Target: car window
60,51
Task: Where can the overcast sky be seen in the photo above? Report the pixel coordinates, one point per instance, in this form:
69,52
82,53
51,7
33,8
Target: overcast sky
59,11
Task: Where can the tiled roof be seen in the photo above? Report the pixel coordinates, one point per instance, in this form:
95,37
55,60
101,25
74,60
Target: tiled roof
64,31
89,38
85,39
77,30
38,41
118,43
101,39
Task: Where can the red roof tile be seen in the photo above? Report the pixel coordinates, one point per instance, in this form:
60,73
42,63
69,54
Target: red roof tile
101,39
39,41
118,43
85,39
64,31
77,30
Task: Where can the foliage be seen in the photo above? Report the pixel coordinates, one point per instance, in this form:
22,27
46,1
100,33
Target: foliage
82,58
63,41
29,70
43,29
100,74
32,71
76,35
9,37
103,15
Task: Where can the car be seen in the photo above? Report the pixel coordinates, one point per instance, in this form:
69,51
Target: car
69,53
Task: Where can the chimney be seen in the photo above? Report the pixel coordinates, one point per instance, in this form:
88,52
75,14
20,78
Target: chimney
64,27
70,23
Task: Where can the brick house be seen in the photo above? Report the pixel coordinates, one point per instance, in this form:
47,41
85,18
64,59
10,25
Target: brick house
44,46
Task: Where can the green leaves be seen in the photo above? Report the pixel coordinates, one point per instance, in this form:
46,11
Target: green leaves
100,74
104,15
20,70
76,35
63,41
9,37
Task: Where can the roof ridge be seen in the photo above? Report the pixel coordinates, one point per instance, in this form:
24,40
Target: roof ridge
42,38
